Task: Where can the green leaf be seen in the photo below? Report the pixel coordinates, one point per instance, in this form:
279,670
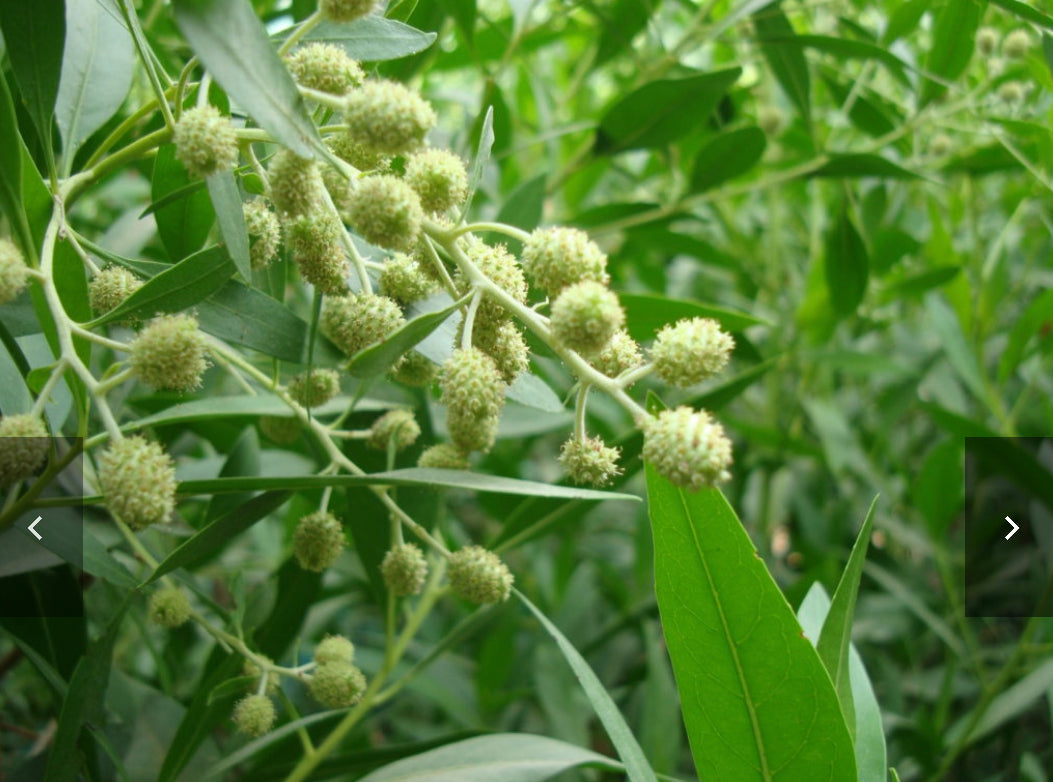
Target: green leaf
741,10
377,359
220,532
464,15
757,702
96,72
621,20
836,634
846,49
636,766
183,224
11,172
861,165
1026,328
226,200
727,156
530,390
1007,706
646,313
908,596
34,34
938,488
181,286
904,19
373,38
870,733
662,111
14,395
227,407
524,206
482,157
1025,11
252,319
506,756
232,43
846,265
921,282
787,61
945,325
953,38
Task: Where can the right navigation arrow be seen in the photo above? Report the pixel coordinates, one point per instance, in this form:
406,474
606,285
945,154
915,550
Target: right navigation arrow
1013,530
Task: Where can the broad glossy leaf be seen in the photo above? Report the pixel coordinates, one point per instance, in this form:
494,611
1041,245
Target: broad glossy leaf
250,318
921,282
512,757
727,156
34,34
232,43
183,224
786,60
636,766
846,264
379,358
226,200
870,733
646,313
757,701
953,37
621,20
373,38
97,72
662,111
861,165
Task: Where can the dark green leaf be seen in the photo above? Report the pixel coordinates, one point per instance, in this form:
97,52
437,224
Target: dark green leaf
846,265
252,319
374,38
727,156
226,200
938,488
904,19
661,112
742,664
953,37
621,21
97,72
861,165
1036,318
463,13
34,34
379,358
1025,11
846,49
524,207
740,11
11,172
184,224
922,282
787,61
233,44
1008,705
646,313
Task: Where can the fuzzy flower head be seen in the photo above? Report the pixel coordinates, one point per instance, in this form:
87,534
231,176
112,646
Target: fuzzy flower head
265,233
358,320
474,394
205,141
770,119
295,185
110,287
250,668
324,67
986,40
506,346
690,351
688,447
620,355
385,211
337,685
314,243
1016,44
334,649
170,354
590,461
24,444
345,10
415,369
387,117
314,387
1011,92
318,541
557,257
443,456
138,480
254,715
404,570
169,607
586,315
13,271
398,426
404,281
439,177
503,270
360,156
283,430
480,576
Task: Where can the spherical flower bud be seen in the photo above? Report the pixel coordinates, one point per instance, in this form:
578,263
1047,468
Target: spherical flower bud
472,432
337,685
169,607
324,67
314,387
769,119
691,351
403,280
415,369
318,541
986,40
585,316
439,177
1016,44
479,575
170,353
557,257
296,186
398,425
254,715
138,480
345,10
385,211
13,271
590,461
280,429
506,346
265,233
110,287
205,141
250,668
1011,92
688,447
404,570
361,157
334,649
387,117
443,456
503,270
620,355
314,243
24,444
356,321
471,383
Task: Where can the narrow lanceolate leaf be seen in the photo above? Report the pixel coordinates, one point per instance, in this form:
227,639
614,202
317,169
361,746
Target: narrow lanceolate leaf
232,43
178,288
34,34
11,171
229,407
1025,11
662,111
482,157
787,61
183,224
847,265
727,156
646,313
859,165
953,37
226,200
96,72
508,756
836,634
636,766
757,702
373,38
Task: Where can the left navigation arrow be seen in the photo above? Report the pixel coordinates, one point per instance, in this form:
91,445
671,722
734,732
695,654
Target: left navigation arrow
36,521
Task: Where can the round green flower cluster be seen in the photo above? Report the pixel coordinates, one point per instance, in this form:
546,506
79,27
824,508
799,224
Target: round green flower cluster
387,118
479,576
345,10
358,320
397,426
688,447
334,649
170,353
443,456
439,177
314,243
205,141
265,233
138,482
169,607
405,570
403,280
295,185
318,541
385,211
254,715
474,393
557,257
590,461
690,351
24,444
621,354
110,287
586,315
324,67
314,387
13,271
